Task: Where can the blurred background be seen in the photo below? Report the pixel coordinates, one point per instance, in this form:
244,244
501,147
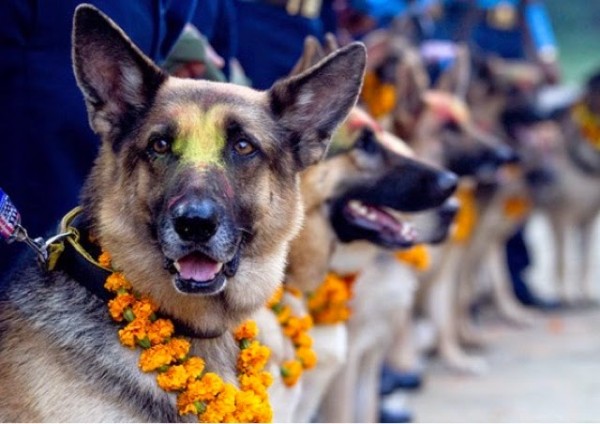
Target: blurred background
577,26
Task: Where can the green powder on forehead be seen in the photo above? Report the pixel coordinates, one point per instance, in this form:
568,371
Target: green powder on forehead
200,138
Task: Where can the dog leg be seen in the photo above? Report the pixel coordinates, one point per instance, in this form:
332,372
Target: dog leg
468,333
339,400
501,286
560,231
442,309
368,405
588,291
403,352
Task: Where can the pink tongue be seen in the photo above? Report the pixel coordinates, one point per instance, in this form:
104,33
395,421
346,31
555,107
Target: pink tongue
198,267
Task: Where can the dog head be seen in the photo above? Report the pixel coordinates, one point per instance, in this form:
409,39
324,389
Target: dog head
360,191
195,192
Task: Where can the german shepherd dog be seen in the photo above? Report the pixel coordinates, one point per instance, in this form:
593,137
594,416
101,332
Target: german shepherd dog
561,154
195,195
354,194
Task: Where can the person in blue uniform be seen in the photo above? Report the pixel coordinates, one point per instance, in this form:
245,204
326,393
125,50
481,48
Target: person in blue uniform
48,146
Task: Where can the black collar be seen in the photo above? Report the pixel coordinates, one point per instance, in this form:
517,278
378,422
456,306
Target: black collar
75,256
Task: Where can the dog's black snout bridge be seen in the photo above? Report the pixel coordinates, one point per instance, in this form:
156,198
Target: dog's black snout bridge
195,219
506,155
446,183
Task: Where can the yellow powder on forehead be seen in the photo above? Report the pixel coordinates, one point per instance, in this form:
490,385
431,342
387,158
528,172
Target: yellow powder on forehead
200,138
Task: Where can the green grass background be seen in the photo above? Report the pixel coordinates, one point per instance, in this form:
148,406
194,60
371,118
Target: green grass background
577,27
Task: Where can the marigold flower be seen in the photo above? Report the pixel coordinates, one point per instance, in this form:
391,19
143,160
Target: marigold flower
248,330
307,357
160,330
467,215
209,386
516,207
303,340
156,357
194,367
144,307
284,314
253,358
179,348
291,371
115,282
175,378
132,332
276,297
117,306
104,259
417,257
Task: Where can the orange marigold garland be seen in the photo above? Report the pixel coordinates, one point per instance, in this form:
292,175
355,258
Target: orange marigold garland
417,257
296,328
467,216
201,393
516,207
329,304
588,123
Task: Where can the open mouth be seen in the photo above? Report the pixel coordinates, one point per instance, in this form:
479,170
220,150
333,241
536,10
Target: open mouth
198,273
385,228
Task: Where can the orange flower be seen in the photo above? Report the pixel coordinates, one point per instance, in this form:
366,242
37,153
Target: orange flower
155,357
307,357
118,305
194,367
276,298
291,371
303,340
104,259
144,307
329,303
175,378
179,348
417,257
116,281
248,330
160,330
467,216
253,358
132,332
204,395
516,207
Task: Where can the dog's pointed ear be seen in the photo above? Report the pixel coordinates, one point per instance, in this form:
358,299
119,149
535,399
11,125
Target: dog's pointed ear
310,106
117,80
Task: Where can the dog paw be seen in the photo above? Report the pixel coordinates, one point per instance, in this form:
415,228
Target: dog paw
473,338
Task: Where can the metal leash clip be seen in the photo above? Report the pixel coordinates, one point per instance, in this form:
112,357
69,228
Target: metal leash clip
11,230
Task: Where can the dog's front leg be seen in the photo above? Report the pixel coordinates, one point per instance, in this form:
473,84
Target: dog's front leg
586,253
502,288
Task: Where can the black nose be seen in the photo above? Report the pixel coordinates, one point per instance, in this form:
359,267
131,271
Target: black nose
506,155
195,220
446,183
448,210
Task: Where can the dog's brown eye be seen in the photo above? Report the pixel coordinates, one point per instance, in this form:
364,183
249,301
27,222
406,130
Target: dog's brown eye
161,146
243,147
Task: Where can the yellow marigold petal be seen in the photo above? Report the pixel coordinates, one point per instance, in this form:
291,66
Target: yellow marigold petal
132,332
104,259
174,379
178,347
117,306
248,330
115,282
307,356
155,357
194,367
291,371
160,330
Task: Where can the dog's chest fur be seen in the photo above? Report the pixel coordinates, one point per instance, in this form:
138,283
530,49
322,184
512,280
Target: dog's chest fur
61,360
